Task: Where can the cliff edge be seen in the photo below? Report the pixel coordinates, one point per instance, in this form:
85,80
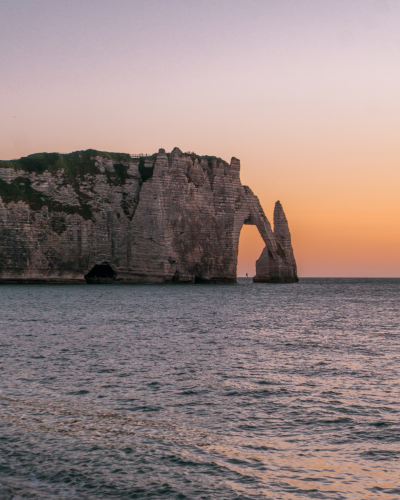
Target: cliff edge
109,218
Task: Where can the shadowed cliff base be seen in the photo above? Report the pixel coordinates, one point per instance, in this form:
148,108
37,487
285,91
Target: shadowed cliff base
98,217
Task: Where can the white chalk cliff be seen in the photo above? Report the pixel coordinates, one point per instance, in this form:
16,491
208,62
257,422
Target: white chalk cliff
168,218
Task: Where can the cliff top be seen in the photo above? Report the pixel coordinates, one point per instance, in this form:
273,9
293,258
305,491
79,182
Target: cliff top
78,162
83,162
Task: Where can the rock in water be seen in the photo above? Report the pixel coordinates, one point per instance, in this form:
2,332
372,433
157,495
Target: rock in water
282,234
110,218
265,265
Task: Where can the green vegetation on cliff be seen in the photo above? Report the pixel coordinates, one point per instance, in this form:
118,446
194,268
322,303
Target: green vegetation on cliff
20,189
74,167
74,164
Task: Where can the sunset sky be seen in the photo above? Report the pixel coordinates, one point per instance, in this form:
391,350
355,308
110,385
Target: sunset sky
305,92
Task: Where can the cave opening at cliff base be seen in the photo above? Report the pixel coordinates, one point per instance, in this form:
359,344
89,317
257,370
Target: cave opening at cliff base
251,246
101,274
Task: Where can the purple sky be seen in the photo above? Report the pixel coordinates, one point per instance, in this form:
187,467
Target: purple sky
305,93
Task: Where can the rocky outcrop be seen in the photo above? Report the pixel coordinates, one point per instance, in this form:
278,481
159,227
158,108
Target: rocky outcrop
267,266
103,217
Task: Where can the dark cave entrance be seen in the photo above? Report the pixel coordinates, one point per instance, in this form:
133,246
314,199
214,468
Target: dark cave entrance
199,280
100,274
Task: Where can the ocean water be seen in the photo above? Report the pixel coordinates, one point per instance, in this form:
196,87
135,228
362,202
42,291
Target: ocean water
247,391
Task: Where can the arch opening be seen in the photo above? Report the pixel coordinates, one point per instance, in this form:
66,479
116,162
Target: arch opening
251,246
101,274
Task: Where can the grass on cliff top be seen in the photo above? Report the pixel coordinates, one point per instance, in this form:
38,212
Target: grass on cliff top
74,164
80,163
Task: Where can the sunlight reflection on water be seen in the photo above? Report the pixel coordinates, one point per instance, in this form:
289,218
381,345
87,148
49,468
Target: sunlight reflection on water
231,391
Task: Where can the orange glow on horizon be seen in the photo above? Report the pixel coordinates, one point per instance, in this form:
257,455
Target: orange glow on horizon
313,114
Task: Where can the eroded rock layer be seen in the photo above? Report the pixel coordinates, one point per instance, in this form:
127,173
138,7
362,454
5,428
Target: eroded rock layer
103,217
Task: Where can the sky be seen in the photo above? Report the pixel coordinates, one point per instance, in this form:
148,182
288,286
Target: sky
306,93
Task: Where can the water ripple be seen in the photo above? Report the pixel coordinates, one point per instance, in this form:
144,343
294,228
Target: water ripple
224,392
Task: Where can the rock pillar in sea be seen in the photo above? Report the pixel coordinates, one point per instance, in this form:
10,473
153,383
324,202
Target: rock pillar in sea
277,263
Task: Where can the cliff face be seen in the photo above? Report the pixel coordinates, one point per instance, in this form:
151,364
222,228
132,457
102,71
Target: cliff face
109,218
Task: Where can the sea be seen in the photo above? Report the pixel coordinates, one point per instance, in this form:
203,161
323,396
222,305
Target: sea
241,391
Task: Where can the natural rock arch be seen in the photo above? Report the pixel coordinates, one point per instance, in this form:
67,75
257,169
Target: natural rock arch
181,224
276,263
